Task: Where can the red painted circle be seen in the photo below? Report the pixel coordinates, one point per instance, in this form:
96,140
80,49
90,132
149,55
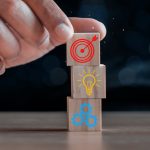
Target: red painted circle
89,47
82,50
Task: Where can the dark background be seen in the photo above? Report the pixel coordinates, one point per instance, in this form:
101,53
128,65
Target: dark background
44,84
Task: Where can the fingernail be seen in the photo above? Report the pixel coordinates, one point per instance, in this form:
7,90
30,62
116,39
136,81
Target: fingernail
2,66
63,31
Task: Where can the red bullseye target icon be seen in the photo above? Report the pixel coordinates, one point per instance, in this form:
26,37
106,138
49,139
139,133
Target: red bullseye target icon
82,50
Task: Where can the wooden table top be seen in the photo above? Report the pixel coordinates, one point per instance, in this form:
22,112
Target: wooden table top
48,131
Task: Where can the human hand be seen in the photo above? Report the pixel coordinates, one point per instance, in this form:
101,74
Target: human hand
30,29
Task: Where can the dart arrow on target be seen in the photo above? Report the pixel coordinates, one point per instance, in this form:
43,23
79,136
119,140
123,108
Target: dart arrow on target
93,40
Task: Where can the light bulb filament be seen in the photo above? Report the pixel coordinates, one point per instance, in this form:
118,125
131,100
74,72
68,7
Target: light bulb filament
89,82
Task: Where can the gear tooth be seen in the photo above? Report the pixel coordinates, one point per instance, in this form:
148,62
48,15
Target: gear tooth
73,118
83,105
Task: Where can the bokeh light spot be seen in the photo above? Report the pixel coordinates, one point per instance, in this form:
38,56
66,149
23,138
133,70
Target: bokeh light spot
127,76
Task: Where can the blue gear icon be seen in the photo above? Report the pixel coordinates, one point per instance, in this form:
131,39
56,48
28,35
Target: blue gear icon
93,124
75,117
85,105
84,117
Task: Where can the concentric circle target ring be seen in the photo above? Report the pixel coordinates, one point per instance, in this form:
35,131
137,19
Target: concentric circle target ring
86,46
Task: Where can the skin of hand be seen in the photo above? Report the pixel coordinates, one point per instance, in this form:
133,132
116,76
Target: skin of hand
30,29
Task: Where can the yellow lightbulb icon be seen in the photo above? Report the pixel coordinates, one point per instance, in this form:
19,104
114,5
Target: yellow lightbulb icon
89,82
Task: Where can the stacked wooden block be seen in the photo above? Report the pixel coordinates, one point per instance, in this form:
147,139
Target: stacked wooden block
88,82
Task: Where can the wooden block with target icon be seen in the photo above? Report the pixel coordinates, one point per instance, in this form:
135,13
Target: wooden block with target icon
84,114
83,49
88,81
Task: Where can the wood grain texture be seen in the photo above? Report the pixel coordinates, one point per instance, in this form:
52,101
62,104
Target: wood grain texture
81,45
26,121
121,131
82,83
75,106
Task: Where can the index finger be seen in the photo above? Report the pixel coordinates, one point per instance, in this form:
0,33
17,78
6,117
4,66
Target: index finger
54,19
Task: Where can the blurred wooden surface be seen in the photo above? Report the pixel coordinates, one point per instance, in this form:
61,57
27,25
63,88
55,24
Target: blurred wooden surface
47,131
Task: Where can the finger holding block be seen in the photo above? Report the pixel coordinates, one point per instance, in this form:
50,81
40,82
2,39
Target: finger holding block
83,49
88,81
84,114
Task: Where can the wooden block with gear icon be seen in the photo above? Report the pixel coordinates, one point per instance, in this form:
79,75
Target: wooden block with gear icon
84,114
83,49
88,81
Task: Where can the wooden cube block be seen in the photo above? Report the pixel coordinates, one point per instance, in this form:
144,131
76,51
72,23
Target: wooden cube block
88,81
84,114
83,49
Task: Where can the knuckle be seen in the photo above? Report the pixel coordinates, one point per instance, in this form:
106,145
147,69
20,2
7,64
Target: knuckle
2,26
1,29
8,48
43,42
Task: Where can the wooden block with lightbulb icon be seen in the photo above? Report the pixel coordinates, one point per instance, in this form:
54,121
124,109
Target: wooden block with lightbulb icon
84,114
83,49
88,81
